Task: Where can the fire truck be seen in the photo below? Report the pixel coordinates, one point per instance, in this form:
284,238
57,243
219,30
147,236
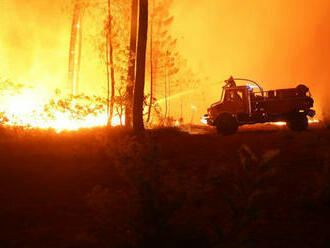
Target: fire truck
250,104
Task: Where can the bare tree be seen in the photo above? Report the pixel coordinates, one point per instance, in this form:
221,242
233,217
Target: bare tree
107,63
163,56
131,66
75,48
110,63
151,63
138,124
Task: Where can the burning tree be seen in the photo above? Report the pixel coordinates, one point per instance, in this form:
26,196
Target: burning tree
169,73
160,46
118,52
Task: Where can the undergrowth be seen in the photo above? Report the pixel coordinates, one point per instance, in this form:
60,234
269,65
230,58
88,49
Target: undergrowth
164,188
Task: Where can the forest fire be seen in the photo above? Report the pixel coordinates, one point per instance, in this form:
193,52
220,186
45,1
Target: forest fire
29,110
177,58
255,175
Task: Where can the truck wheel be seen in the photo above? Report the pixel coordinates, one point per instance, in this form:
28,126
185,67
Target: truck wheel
226,124
298,122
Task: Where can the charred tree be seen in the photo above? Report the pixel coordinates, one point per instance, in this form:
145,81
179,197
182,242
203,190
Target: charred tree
138,124
75,48
132,65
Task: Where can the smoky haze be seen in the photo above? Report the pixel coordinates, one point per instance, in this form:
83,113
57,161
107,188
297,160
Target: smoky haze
34,44
33,41
276,42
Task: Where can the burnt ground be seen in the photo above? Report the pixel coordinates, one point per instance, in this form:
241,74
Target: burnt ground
262,187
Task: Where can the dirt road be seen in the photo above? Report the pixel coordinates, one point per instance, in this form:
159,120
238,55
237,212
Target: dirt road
268,127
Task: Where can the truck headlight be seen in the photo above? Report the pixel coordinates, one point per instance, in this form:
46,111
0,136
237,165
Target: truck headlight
204,119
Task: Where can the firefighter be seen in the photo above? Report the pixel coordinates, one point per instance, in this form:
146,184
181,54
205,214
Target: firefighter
230,82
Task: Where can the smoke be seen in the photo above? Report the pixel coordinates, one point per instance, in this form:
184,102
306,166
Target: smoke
33,42
34,45
279,43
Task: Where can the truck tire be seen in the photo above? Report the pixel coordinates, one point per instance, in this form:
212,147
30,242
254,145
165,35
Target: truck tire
226,124
298,122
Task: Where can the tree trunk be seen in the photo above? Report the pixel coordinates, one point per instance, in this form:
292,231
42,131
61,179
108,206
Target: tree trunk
75,49
112,70
107,63
131,66
140,69
151,68
165,91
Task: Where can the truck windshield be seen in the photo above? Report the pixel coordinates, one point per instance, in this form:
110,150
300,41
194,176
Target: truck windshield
233,96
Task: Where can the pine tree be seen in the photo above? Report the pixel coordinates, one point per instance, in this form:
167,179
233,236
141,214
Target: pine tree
131,65
110,63
164,60
138,124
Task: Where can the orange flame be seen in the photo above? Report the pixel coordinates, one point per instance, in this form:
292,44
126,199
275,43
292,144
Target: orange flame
283,123
27,109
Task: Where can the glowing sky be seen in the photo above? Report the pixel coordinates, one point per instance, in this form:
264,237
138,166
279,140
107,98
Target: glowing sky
277,42
280,43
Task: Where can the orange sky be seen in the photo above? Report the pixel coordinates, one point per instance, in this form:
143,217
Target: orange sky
32,35
280,43
277,42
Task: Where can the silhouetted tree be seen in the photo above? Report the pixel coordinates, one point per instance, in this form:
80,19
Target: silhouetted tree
165,61
138,124
110,64
151,62
131,65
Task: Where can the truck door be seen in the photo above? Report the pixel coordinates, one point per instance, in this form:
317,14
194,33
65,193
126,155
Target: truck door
234,101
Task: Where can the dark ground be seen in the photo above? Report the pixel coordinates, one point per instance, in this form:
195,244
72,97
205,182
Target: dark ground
263,187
